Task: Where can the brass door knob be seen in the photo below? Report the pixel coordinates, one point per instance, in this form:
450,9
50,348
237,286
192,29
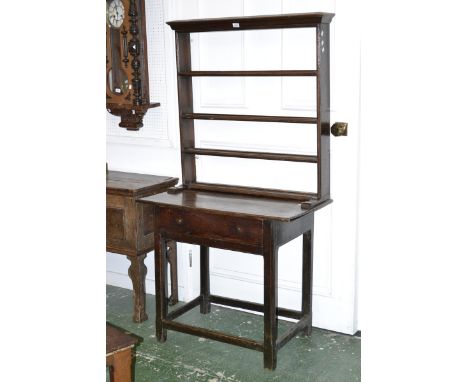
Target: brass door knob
339,129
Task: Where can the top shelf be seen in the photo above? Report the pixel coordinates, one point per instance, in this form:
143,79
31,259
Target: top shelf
292,20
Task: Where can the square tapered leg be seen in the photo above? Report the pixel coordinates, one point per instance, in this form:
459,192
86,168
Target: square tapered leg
205,306
307,277
160,255
270,296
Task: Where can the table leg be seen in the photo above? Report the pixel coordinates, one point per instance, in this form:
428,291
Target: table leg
160,260
172,260
270,297
205,306
307,275
137,272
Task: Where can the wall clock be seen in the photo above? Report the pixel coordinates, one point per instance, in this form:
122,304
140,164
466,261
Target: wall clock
127,83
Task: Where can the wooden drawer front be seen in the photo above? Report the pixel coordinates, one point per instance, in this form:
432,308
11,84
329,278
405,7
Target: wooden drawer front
211,227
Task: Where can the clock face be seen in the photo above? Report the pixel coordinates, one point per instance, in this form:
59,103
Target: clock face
115,13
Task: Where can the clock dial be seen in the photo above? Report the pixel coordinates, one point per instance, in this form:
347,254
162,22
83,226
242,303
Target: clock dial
115,13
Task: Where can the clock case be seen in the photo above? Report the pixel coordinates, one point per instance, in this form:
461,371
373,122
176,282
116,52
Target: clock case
126,51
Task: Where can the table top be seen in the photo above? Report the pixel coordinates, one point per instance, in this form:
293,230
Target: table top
132,184
234,204
118,339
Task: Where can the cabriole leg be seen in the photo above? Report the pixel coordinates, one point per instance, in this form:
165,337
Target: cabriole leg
137,273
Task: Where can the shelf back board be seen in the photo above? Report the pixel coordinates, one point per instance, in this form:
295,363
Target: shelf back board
183,28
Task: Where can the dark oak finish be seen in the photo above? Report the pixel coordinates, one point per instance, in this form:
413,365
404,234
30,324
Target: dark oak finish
184,308
120,354
160,262
171,249
254,306
270,294
291,332
251,234
130,229
213,335
185,94
307,279
205,306
245,219
323,110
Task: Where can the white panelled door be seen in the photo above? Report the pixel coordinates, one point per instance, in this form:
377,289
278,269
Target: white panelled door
240,275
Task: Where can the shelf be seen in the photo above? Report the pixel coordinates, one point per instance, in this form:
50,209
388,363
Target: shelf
251,118
320,23
293,20
252,155
253,191
250,73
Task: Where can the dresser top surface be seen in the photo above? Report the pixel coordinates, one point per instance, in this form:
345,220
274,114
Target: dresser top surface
233,205
132,184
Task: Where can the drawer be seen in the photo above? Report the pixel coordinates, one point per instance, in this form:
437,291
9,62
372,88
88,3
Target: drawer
211,226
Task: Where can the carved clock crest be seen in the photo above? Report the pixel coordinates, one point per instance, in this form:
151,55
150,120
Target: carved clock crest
127,83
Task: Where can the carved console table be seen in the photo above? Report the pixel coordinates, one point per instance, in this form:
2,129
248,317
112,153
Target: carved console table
245,219
130,229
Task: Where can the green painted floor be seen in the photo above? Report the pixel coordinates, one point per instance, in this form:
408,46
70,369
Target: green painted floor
325,356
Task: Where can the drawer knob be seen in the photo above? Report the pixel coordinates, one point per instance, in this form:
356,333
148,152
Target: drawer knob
239,229
179,221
